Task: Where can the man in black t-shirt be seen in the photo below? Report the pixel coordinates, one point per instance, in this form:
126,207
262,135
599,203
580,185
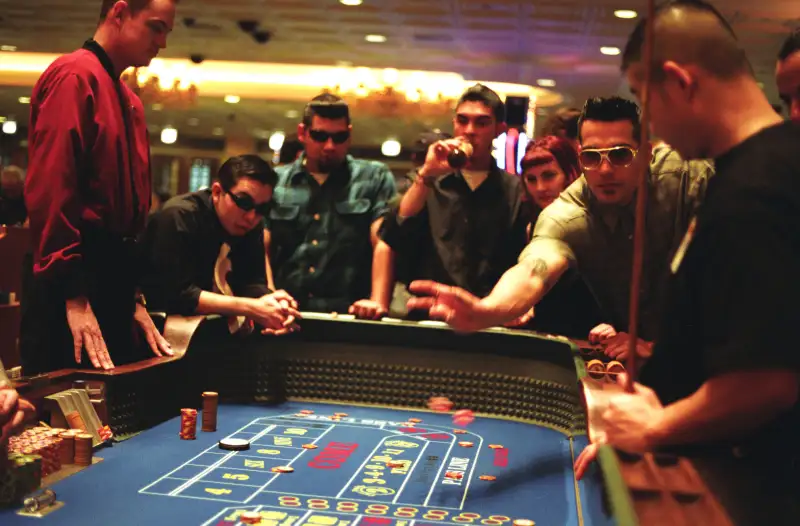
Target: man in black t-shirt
724,375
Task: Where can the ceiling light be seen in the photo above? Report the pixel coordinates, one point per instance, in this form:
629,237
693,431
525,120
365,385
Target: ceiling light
546,83
350,2
169,135
391,148
194,121
625,13
10,127
2,119
375,39
24,100
218,132
276,141
232,99
292,114
609,50
8,48
157,106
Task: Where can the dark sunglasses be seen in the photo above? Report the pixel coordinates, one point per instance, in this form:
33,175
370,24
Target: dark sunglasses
619,156
246,204
323,136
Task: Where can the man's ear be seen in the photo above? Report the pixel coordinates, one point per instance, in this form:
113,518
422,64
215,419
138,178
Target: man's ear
680,77
216,190
301,133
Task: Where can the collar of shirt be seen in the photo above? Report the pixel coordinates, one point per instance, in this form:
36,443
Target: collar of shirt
102,56
454,179
341,175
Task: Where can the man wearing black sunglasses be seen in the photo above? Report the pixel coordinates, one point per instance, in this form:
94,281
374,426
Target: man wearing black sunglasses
186,240
322,234
590,227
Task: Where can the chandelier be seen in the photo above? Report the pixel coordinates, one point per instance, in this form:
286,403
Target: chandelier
167,87
389,93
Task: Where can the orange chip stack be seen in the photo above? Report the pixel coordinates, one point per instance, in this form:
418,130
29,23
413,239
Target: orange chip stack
67,451
210,404
188,424
83,449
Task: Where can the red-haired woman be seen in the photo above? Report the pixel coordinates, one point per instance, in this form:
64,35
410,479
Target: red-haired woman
550,165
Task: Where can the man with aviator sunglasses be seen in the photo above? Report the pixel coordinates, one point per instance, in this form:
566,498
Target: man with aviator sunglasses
590,227
183,243
321,236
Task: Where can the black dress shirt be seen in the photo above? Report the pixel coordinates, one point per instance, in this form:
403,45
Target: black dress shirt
464,237
180,248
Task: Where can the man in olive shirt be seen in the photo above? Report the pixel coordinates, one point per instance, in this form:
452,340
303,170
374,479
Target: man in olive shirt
590,227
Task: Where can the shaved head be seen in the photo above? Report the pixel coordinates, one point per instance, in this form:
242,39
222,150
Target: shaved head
689,33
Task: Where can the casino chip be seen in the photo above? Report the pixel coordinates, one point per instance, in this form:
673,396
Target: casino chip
460,431
454,475
495,446
282,469
234,444
487,477
340,414
465,444
441,404
307,412
310,446
415,420
250,517
395,464
523,522
463,417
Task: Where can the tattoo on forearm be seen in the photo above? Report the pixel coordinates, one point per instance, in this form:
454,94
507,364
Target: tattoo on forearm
539,269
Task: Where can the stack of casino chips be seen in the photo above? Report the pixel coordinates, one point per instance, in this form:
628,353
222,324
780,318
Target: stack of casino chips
41,441
210,403
83,449
188,424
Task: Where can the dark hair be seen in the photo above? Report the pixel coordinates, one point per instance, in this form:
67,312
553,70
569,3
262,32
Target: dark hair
290,150
480,93
250,166
562,123
611,109
552,148
723,57
326,106
791,45
134,5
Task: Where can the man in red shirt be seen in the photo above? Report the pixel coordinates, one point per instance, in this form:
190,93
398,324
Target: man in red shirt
88,195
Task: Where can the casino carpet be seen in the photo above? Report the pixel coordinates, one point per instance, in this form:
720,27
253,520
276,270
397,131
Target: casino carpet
156,478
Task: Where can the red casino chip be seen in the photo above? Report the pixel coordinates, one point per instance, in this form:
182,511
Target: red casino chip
454,475
441,404
250,517
487,477
395,464
465,444
463,417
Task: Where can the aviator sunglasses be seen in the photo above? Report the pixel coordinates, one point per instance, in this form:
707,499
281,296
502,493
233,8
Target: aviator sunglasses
618,156
323,136
246,203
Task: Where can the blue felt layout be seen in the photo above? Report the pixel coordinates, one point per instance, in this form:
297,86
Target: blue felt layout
156,478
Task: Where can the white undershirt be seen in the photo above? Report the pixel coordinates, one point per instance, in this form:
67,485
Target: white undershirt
474,178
